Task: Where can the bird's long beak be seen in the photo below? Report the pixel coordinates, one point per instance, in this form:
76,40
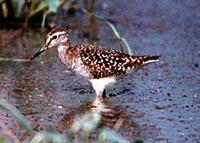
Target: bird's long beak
39,52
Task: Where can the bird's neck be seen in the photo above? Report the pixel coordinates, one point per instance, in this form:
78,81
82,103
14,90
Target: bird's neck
62,50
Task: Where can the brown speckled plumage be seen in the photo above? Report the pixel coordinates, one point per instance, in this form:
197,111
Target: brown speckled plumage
101,62
92,61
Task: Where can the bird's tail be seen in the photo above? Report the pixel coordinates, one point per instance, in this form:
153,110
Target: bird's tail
138,61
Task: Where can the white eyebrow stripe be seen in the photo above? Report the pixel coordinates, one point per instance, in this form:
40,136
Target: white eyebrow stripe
59,33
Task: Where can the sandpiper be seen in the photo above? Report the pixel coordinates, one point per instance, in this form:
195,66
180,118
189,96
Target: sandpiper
100,66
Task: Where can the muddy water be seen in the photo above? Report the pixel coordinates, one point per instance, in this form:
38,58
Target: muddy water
159,103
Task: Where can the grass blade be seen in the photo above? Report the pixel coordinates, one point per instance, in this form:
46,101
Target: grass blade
114,29
16,113
111,136
14,60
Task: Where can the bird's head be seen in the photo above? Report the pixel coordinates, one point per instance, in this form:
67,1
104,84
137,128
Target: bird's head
56,37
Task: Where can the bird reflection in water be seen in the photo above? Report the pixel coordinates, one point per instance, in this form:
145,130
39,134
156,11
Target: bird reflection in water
110,115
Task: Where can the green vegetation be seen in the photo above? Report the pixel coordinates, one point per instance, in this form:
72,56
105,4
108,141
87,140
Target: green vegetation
25,10
2,140
113,28
87,124
14,112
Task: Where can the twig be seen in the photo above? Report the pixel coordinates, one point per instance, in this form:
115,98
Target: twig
118,124
116,33
14,60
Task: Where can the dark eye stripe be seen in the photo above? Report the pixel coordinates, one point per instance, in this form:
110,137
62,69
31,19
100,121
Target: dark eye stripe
47,45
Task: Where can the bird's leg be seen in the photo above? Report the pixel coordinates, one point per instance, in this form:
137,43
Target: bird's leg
100,94
99,86
104,94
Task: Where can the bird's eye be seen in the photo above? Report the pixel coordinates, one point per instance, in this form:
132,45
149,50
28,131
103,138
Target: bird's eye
54,37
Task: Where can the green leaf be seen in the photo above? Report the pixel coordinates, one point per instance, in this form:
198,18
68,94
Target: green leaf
111,136
1,1
87,122
42,5
16,113
39,138
44,137
53,5
2,140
